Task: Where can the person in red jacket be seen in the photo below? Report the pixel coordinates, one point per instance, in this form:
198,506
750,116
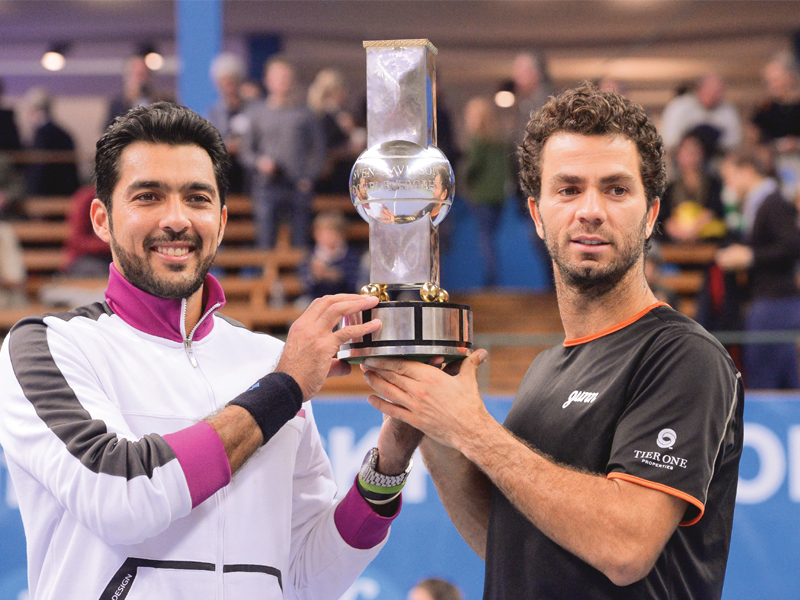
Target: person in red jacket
86,254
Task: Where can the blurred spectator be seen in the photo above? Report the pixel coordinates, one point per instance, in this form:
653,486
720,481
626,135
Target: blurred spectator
12,266
612,84
12,191
706,111
137,88
333,267
58,177
9,135
12,269
445,135
251,90
227,72
691,208
435,589
769,250
484,176
532,88
285,152
777,119
86,254
326,97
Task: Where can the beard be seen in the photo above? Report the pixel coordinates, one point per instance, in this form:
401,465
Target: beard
595,279
139,271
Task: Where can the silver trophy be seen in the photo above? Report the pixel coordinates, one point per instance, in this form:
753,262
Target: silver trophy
403,186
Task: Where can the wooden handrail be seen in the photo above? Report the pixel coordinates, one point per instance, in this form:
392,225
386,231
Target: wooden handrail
23,157
52,232
333,202
685,282
37,261
40,207
253,257
688,254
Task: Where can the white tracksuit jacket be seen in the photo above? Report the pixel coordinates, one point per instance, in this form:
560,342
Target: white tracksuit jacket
123,493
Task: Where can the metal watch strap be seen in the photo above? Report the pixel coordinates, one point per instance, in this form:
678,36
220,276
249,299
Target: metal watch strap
373,481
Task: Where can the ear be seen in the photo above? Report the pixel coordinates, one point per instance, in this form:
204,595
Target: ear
652,216
537,218
101,220
223,220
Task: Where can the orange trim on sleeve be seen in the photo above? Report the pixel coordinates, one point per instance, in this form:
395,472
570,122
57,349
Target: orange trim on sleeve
613,328
663,488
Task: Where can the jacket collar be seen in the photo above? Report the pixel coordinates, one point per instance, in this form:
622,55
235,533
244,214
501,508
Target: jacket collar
161,317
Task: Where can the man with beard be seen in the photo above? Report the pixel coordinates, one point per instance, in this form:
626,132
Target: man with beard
123,421
614,475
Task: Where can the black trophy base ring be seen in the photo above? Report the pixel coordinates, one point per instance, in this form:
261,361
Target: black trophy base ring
415,330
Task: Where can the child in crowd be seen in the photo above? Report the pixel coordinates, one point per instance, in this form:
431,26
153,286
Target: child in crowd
332,267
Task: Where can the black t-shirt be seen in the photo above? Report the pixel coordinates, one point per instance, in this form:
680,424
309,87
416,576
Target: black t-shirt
656,401
775,241
776,120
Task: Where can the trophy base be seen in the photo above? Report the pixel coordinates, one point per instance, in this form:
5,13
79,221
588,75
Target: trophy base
414,330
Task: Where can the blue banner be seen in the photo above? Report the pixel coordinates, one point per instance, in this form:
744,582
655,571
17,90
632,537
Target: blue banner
765,549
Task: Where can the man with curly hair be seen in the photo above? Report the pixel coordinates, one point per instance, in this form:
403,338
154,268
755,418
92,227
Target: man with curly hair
614,475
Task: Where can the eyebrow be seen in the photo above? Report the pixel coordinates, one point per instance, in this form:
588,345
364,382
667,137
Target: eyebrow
193,186
625,178
571,179
567,178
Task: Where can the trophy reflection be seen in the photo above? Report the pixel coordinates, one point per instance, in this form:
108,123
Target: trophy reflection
403,186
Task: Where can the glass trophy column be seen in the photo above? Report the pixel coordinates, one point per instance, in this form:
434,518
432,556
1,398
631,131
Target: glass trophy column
403,186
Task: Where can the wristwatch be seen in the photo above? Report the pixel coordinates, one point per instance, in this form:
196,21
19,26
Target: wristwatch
377,487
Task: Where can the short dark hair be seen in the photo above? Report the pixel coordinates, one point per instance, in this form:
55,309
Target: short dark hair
159,123
586,110
445,172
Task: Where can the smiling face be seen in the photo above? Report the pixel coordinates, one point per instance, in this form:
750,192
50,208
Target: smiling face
166,223
592,212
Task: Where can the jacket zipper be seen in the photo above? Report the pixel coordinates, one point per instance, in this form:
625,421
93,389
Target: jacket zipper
220,496
187,339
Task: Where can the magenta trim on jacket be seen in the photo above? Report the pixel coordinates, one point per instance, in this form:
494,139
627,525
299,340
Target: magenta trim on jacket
358,524
160,317
202,458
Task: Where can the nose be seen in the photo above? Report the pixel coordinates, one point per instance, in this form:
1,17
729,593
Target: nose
591,207
175,216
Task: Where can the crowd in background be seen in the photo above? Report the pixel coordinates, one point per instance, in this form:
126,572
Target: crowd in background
734,181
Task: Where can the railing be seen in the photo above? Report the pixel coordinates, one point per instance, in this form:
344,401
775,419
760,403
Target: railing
24,157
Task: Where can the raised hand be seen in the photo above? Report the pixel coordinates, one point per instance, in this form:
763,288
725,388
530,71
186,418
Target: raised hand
312,344
446,408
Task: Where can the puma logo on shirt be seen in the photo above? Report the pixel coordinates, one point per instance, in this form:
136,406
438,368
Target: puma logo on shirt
578,396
